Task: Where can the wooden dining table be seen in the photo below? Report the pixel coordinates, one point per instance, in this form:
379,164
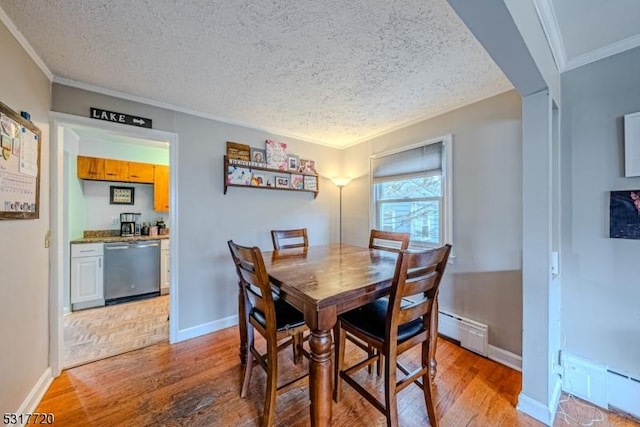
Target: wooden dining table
323,282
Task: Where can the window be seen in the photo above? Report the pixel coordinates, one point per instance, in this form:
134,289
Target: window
411,192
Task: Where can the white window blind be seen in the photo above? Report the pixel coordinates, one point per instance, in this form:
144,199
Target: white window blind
419,161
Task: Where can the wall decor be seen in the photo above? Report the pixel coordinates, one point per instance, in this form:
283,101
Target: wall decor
624,214
310,183
632,144
258,155
238,151
282,182
276,155
297,182
126,119
292,162
307,166
121,195
19,166
258,180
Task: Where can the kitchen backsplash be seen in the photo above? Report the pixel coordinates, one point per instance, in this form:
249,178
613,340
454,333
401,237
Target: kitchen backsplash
99,214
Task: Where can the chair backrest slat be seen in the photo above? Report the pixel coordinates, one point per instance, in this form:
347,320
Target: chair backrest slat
388,240
416,273
282,239
255,280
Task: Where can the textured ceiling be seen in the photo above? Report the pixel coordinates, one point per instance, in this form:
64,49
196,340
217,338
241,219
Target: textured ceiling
333,71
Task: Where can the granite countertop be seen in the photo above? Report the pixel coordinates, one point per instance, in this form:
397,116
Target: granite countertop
109,236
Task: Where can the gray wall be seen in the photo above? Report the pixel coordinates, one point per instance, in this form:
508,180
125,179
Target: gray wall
601,284
484,282
24,290
207,218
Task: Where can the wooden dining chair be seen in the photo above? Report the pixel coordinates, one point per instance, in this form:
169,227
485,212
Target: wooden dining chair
394,325
388,240
285,239
273,318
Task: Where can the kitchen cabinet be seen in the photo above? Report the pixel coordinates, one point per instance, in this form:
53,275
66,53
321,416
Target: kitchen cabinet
99,169
87,275
90,168
161,188
116,170
140,172
165,276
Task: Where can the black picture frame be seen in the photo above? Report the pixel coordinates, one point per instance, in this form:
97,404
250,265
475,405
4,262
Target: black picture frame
121,195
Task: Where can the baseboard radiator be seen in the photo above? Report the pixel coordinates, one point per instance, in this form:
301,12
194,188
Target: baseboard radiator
601,385
472,335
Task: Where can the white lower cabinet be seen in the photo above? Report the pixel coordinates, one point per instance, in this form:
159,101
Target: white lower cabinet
165,275
87,275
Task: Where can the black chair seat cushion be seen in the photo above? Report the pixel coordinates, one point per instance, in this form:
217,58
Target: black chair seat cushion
287,317
371,319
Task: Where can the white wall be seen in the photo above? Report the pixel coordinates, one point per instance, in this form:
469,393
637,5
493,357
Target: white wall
207,286
485,281
24,291
601,284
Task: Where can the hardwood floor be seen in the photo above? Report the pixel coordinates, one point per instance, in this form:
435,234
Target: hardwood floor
197,382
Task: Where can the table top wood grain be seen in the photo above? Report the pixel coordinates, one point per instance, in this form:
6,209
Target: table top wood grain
326,275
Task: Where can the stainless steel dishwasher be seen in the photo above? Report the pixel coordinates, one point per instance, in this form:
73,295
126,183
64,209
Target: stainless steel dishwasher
131,270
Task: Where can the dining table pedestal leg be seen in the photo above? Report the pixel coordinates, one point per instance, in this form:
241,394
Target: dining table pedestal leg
320,377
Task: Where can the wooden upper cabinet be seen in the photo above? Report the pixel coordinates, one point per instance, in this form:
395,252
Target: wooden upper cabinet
161,188
141,172
116,170
90,168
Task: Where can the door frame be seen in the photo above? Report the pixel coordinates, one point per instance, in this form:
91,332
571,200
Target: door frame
60,241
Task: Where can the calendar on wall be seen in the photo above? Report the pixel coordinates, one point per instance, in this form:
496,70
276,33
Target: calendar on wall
19,166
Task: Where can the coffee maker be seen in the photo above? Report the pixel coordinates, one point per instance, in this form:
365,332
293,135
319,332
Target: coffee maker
130,223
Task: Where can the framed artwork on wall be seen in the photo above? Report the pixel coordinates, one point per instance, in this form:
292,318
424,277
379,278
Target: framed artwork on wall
121,195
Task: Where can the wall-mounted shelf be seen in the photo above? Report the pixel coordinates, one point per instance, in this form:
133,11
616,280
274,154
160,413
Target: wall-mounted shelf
248,175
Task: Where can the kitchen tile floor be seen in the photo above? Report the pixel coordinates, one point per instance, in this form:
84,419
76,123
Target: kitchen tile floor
98,333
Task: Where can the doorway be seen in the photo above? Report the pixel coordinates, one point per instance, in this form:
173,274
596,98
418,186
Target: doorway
61,226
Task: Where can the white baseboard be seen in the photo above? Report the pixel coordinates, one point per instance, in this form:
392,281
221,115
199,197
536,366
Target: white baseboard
505,357
534,409
206,328
539,411
34,397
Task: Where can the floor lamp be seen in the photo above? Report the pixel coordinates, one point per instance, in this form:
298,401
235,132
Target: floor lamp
340,183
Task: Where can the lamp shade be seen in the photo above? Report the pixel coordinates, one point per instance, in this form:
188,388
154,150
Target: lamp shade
340,181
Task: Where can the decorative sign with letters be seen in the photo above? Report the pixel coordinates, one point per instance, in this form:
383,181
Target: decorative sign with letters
125,119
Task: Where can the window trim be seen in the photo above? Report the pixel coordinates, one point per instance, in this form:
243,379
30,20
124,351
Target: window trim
447,191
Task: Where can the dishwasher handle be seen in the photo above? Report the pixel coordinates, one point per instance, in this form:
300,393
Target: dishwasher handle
122,246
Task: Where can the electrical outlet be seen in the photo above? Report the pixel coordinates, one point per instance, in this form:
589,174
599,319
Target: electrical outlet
47,239
114,220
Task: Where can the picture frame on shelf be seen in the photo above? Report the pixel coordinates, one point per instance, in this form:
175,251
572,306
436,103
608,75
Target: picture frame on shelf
276,154
238,151
297,182
258,180
259,155
121,195
311,183
237,175
282,182
292,162
307,166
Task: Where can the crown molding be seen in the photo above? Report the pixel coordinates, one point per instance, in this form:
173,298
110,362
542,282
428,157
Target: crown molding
549,21
25,44
172,107
604,52
426,117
